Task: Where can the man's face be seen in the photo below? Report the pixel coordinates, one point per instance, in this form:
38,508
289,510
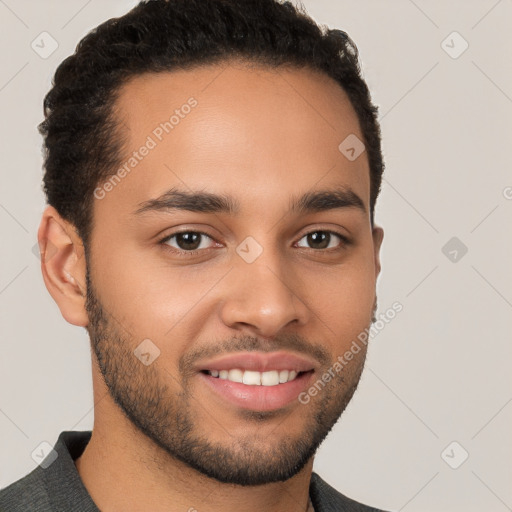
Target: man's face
266,289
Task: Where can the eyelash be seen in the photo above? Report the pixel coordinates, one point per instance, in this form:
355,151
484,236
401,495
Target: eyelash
182,253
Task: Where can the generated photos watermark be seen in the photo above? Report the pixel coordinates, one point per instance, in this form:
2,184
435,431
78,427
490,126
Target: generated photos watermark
342,360
152,140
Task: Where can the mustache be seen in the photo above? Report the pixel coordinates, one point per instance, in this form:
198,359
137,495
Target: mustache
292,342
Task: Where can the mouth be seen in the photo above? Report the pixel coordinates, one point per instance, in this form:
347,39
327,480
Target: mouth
258,381
253,378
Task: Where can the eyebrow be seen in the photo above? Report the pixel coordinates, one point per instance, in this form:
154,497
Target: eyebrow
206,202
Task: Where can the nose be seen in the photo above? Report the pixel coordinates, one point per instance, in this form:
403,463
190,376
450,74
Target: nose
263,298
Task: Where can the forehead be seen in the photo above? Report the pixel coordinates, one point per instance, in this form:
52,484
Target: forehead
238,129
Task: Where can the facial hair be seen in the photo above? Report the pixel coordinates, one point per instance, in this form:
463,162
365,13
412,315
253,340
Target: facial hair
163,408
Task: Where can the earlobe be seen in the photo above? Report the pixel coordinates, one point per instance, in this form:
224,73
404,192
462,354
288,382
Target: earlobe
378,236
63,266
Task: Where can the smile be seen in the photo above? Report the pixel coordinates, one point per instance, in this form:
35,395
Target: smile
254,378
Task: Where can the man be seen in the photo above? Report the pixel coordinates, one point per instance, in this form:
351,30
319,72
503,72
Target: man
212,168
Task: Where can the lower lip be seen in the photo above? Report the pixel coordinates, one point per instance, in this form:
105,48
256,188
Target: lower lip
258,398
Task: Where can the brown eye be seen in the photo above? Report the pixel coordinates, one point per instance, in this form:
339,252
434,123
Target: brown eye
323,240
187,241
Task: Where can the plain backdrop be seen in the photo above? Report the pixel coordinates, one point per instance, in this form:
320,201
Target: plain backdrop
437,384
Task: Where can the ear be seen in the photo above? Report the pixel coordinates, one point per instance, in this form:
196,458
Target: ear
378,236
63,265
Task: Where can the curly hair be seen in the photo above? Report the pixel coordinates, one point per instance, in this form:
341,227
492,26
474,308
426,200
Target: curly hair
83,142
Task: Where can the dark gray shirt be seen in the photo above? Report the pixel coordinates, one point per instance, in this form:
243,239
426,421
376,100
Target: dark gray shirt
58,487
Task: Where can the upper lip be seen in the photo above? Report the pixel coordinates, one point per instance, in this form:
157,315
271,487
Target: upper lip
259,362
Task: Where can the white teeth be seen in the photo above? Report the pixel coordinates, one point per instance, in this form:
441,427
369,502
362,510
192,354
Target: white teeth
251,378
283,376
236,375
270,378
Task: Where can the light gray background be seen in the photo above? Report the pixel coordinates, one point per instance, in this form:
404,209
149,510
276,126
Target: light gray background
440,371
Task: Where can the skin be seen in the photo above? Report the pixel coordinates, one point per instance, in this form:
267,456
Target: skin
262,136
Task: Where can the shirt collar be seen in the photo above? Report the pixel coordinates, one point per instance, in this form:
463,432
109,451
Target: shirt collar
62,476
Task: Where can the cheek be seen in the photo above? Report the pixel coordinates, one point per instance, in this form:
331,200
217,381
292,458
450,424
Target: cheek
136,291
342,299
168,303
155,300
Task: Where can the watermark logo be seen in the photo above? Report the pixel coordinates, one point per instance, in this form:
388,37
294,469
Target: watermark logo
44,455
454,249
49,252
147,352
44,45
454,45
454,455
352,147
249,250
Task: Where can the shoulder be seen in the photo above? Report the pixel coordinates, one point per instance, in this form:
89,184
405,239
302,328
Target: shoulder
327,499
27,493
55,483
